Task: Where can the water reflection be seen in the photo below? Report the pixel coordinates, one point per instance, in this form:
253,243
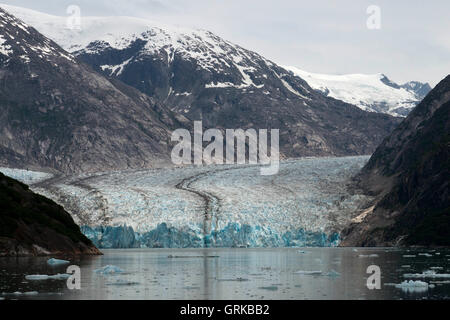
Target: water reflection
309,273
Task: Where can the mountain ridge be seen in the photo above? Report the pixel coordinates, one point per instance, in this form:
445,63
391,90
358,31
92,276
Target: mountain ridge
374,93
58,113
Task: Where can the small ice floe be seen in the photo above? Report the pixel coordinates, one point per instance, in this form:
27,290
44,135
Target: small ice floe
441,282
406,266
333,274
40,277
312,273
18,293
239,279
122,282
269,288
436,268
1,298
425,254
427,274
368,255
409,256
355,250
55,262
108,270
412,286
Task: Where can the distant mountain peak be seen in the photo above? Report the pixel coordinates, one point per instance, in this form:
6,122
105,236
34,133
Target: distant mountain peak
19,40
202,77
374,93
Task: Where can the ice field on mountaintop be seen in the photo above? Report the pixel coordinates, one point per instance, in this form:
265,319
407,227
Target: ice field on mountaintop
305,204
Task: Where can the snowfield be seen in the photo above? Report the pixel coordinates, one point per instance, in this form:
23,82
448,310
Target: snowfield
370,92
26,176
305,204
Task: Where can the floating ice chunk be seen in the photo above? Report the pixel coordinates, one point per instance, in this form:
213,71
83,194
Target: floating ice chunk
39,277
270,288
109,269
425,254
355,250
368,256
239,279
1,298
441,282
436,268
53,261
308,272
414,286
409,256
406,266
427,274
122,282
18,293
333,274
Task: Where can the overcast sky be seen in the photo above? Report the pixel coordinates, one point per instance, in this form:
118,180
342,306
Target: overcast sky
323,36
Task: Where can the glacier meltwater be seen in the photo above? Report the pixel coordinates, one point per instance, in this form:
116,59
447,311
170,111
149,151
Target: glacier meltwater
305,204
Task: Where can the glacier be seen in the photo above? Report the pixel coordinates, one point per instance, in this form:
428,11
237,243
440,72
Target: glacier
369,92
306,204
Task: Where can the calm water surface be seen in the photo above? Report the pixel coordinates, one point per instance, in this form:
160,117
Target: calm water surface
231,274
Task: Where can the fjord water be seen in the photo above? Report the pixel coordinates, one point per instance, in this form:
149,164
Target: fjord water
281,273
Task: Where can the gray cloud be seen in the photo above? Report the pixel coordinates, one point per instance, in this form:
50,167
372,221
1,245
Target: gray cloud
326,36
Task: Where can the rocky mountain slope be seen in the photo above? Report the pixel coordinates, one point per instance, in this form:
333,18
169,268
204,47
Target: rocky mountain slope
374,93
203,77
56,112
409,175
31,224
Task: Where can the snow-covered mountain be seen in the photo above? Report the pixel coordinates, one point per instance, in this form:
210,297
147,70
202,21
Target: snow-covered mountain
204,77
57,113
130,41
373,92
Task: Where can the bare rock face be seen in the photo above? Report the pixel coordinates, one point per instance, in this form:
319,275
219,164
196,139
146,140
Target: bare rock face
32,225
409,175
58,113
204,77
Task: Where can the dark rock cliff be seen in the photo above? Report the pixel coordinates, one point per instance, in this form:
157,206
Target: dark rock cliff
31,224
409,174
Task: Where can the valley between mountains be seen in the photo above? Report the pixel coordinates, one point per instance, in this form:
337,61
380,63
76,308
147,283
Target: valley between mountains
86,120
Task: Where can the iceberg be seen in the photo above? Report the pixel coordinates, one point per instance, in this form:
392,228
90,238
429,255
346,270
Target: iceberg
425,255
54,262
18,293
122,282
427,274
333,274
412,286
108,270
313,273
40,277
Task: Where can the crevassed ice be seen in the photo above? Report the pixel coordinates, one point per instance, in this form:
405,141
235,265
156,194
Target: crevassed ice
25,176
305,204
